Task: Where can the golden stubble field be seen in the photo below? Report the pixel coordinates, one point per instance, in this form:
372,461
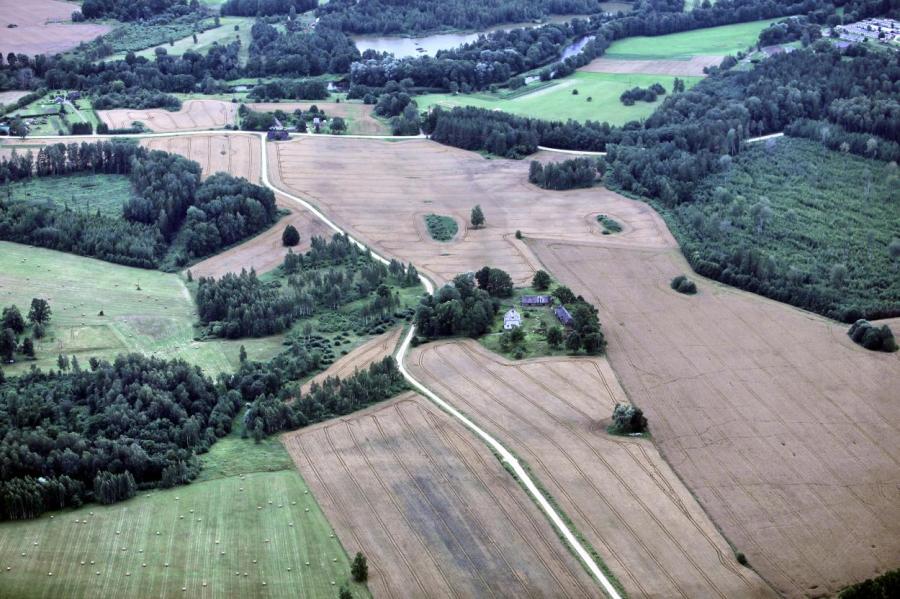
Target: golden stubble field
381,192
43,27
435,514
195,115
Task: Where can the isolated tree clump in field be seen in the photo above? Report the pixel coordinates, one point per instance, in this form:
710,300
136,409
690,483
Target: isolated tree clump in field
872,337
684,285
477,217
291,236
360,568
628,419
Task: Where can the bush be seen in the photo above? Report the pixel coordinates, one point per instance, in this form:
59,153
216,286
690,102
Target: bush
741,558
684,285
541,280
628,419
871,337
290,237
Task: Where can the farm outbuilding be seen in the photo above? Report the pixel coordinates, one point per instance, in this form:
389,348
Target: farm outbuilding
563,316
536,300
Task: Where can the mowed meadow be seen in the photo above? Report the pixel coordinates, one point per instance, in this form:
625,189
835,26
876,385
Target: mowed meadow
248,527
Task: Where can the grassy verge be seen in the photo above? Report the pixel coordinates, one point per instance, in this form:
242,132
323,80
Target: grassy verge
184,41
556,100
79,192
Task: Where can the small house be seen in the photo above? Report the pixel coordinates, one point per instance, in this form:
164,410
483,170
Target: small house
536,300
512,319
563,316
277,134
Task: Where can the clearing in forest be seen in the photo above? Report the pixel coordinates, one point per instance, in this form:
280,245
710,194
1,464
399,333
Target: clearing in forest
248,527
620,494
786,431
42,27
435,514
223,35
568,98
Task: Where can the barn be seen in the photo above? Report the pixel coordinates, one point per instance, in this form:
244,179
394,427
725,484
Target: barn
563,316
536,300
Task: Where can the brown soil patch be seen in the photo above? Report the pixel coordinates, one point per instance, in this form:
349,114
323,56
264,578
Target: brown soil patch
678,68
620,494
786,432
195,115
381,191
40,27
435,514
361,119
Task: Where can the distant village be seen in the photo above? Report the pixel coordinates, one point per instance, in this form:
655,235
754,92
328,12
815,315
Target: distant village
885,31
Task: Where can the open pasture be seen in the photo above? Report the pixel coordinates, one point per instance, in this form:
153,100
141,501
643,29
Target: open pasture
195,115
359,117
434,513
559,102
784,430
712,41
692,67
382,191
247,528
222,35
621,495
43,27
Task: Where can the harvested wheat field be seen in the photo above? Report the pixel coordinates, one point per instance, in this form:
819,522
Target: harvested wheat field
195,115
620,494
360,118
11,97
435,514
692,67
42,27
381,192
787,433
233,153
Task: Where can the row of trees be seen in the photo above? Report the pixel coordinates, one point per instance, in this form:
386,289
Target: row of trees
264,8
287,89
643,94
99,434
568,174
12,325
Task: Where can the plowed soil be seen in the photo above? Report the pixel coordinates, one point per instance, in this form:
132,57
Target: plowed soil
621,495
360,117
381,192
195,115
678,68
786,432
434,513
41,27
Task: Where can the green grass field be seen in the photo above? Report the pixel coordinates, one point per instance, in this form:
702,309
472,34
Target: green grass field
156,319
556,101
80,192
248,505
224,34
713,41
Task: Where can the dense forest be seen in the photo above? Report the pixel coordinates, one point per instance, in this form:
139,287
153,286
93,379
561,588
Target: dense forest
173,219
420,16
330,275
253,8
298,53
99,434
568,174
133,10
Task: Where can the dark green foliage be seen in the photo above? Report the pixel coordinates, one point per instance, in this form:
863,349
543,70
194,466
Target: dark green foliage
684,285
7,344
102,433
541,280
441,228
298,53
554,336
243,306
835,137
359,569
628,419
790,30
252,120
392,104
131,10
477,217
345,593
741,558
12,319
338,125
291,236
286,89
643,94
254,8
873,337
568,174
610,226
784,215
457,309
496,282
39,312
564,295
886,586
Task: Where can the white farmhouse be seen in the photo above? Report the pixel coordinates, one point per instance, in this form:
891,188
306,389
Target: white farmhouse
512,319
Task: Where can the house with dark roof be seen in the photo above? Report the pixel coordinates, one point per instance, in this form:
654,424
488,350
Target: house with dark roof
563,316
536,300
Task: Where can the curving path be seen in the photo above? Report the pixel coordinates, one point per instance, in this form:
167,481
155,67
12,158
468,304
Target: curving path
499,449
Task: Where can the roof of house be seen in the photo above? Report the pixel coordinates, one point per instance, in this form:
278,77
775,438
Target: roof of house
512,313
563,315
536,299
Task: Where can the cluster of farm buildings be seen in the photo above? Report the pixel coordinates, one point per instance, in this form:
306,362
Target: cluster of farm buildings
877,30
513,319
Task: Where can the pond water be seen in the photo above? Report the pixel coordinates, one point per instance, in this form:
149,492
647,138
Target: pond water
402,47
